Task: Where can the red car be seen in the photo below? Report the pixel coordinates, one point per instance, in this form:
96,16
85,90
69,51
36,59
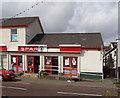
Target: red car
6,74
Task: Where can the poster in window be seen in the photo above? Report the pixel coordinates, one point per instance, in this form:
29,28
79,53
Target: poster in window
74,61
48,62
14,59
66,61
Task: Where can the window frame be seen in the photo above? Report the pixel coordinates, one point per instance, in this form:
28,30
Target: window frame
14,33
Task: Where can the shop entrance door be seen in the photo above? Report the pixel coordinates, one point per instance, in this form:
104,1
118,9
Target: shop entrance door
18,66
70,66
30,60
36,63
48,65
33,64
51,65
54,65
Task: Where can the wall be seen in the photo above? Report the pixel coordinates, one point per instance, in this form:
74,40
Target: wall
6,38
32,30
91,64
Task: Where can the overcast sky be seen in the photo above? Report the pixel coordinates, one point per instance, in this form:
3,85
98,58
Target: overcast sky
71,17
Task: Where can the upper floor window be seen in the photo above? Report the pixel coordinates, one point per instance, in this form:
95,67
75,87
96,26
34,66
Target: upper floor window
13,34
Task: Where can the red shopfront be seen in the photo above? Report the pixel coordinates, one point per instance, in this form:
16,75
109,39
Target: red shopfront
18,65
70,66
51,65
33,63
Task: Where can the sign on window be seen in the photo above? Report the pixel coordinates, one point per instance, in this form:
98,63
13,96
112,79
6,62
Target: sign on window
66,61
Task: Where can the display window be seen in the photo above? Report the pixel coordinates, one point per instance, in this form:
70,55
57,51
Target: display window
4,61
70,66
17,63
51,65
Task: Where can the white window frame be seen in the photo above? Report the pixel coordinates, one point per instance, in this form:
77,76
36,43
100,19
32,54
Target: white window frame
14,34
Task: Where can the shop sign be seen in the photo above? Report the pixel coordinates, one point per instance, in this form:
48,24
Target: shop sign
3,48
70,49
32,48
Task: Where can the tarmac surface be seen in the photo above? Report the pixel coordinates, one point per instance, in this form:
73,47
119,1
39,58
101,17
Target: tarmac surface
44,87
106,83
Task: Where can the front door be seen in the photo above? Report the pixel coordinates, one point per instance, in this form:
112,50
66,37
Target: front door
48,65
18,66
30,63
70,66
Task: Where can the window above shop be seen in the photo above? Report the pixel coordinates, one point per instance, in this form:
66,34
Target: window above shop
14,35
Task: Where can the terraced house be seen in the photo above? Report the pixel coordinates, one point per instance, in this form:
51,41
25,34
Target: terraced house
24,42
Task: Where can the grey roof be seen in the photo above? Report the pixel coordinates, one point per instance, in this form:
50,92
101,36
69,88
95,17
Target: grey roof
20,21
84,39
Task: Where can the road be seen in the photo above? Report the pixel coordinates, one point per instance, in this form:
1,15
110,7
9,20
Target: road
22,88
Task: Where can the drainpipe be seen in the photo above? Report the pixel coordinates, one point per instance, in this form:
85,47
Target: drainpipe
117,64
8,60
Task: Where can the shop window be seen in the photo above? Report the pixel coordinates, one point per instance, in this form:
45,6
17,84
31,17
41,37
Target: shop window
67,62
74,62
13,34
19,68
17,63
30,69
70,66
4,61
30,61
20,61
74,72
14,59
14,68
67,71
47,61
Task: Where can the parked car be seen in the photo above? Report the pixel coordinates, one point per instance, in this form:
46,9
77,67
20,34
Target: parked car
6,74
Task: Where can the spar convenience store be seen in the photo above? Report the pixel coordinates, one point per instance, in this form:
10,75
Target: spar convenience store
25,43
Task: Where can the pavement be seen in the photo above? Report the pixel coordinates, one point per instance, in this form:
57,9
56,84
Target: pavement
106,83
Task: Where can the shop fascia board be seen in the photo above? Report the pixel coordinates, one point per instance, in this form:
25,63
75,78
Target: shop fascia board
33,45
2,44
69,45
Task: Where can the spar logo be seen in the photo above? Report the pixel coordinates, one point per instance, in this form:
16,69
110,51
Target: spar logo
41,48
32,48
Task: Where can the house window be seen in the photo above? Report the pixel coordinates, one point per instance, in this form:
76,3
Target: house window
13,34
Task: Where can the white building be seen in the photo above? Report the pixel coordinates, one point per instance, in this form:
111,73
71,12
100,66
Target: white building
24,43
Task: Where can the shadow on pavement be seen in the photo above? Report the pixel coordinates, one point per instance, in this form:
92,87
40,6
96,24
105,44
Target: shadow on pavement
14,80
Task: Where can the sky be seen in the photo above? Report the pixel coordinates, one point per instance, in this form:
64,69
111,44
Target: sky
71,17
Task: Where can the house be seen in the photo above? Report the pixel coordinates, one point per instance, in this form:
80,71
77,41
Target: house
25,43
110,60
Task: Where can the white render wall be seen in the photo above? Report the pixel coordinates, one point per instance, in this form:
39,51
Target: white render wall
91,61
6,38
32,30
